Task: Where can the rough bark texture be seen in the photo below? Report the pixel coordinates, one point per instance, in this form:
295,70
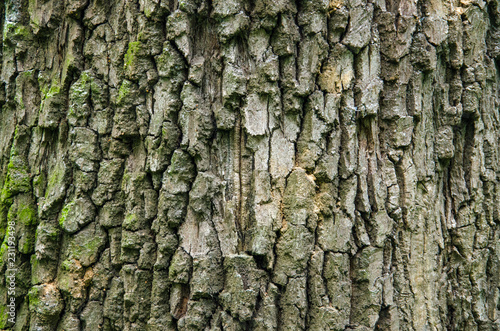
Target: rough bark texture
251,164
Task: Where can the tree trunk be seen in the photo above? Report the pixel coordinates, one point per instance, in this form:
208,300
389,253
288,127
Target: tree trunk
250,165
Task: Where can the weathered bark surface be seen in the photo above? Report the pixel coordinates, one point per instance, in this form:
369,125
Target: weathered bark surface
251,164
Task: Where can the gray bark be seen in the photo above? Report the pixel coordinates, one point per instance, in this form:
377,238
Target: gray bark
250,164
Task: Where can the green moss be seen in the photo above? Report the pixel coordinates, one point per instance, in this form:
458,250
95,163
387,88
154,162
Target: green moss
5,195
53,235
185,6
54,90
65,283
4,247
43,84
148,11
3,250
27,246
26,215
4,207
64,213
22,31
133,222
130,221
124,91
126,180
94,245
15,32
49,90
89,247
3,317
18,178
134,48
16,164
86,245
141,36
67,265
33,298
71,112
80,89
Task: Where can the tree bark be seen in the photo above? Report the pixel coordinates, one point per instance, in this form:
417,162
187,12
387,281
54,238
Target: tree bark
250,165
